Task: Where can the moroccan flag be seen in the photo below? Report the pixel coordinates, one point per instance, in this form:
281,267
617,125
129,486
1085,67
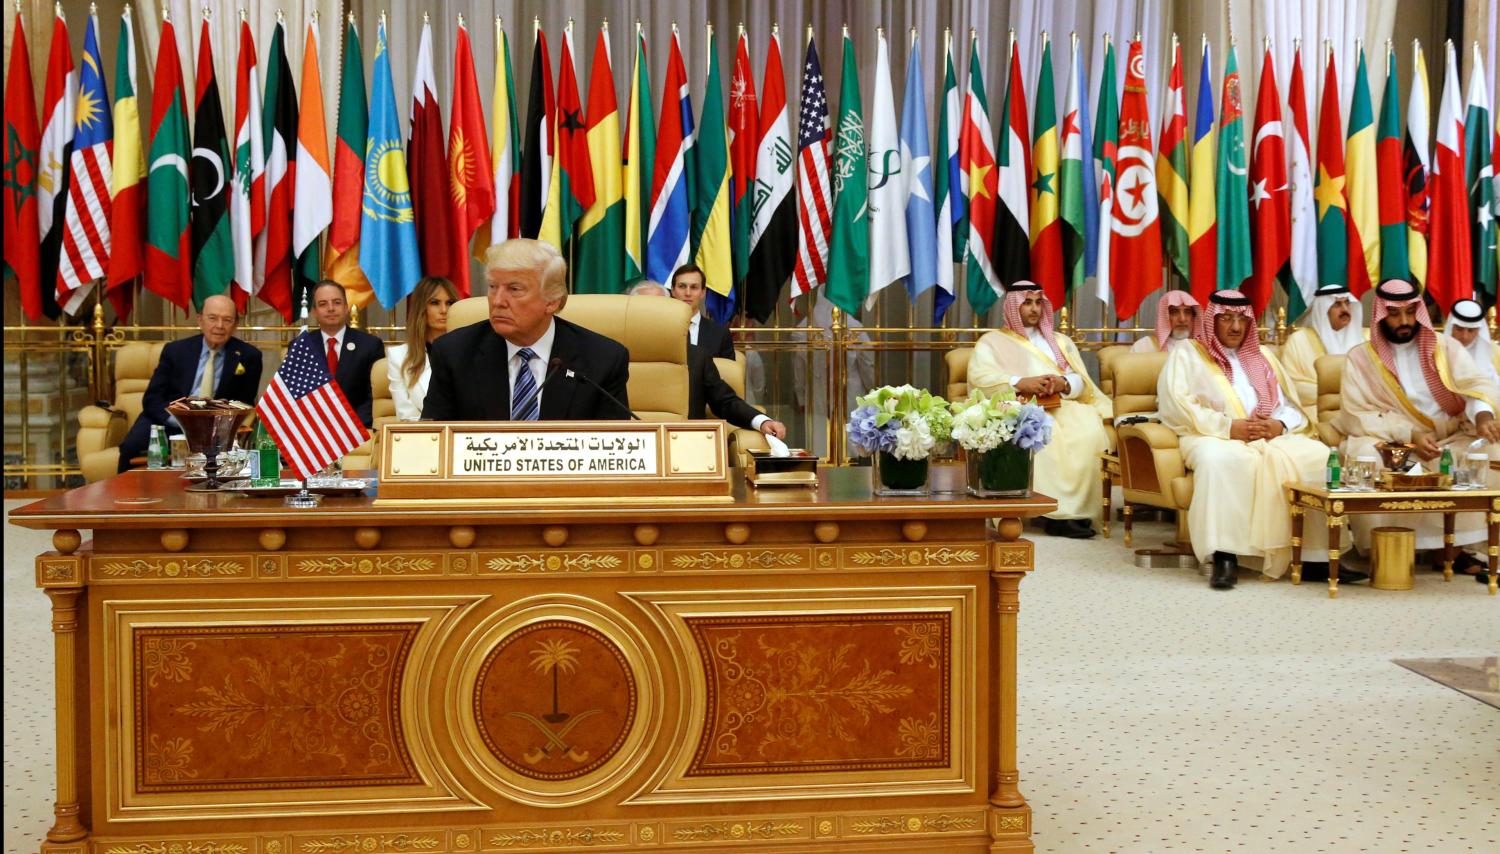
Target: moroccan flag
1046,231
744,136
1478,172
947,188
505,153
601,241
1393,263
470,175
313,187
1450,272
1270,203
1106,166
1362,187
169,266
671,220
59,114
427,160
1304,212
213,245
247,193
890,256
1171,168
1012,257
773,206
536,158
86,238
22,137
849,249
1232,215
1203,238
349,175
128,168
711,199
388,236
571,190
273,249
1416,163
1136,253
639,161
1333,203
980,184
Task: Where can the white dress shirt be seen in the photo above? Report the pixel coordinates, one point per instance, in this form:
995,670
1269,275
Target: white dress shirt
543,350
1039,341
1289,415
1413,381
338,337
693,329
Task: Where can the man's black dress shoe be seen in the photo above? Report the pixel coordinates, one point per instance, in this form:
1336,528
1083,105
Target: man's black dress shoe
1226,571
1076,529
1318,571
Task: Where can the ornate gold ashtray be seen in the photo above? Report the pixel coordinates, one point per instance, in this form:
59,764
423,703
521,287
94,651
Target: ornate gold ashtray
1395,481
800,468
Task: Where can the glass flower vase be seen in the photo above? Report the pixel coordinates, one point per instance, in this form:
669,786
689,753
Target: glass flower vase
1001,472
895,476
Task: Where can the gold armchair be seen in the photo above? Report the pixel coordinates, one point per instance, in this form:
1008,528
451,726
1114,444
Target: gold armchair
1330,370
382,409
101,430
1152,471
741,440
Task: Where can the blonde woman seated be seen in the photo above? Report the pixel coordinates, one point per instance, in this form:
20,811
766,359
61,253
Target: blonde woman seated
406,364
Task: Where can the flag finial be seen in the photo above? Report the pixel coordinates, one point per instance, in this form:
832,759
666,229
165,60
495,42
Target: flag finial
93,9
1046,38
124,13
166,14
460,19
742,29
775,29
809,33
846,31
426,18
351,17
207,12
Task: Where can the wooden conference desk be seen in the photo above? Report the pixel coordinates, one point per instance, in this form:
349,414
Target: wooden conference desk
789,672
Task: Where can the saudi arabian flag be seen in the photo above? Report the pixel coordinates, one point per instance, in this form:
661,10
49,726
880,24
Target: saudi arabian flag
849,250
1230,180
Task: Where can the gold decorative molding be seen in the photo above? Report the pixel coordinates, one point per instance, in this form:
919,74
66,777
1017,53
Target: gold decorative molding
553,562
358,564
739,831
887,825
186,846
916,557
1018,554
1418,504
732,559
59,571
371,843
569,838
170,568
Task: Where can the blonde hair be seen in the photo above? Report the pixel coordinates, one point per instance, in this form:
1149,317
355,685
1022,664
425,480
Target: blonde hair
533,256
416,325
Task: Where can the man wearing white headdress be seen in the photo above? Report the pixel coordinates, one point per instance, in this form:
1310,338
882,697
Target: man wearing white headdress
1177,316
1409,384
1027,357
1466,326
1332,326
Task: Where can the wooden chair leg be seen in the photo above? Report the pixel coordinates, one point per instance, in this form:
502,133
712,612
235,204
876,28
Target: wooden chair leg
1129,511
1108,488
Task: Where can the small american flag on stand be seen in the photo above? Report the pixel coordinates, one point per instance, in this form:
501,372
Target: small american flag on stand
306,413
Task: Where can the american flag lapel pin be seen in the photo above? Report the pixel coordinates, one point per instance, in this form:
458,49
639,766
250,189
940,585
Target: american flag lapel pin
570,373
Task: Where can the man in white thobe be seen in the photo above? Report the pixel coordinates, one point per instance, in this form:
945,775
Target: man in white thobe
1177,316
1244,438
1332,326
1026,356
1409,384
1466,326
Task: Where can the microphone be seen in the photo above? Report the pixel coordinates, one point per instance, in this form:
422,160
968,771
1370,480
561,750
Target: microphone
552,368
602,390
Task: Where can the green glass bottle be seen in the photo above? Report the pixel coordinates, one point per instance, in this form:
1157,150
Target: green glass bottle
270,457
1445,462
1335,470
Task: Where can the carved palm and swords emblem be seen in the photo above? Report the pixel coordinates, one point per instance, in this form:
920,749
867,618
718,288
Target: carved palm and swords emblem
559,657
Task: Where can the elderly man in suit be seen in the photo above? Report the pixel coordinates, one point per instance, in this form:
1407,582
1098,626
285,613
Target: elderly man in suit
350,353
212,363
524,363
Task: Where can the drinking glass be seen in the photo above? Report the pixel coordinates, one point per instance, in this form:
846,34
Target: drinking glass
1477,466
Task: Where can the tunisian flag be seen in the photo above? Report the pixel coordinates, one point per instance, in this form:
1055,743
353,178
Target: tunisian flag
469,172
1270,204
1135,250
1450,275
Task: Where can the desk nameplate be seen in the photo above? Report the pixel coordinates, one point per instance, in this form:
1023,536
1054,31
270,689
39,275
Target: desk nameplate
552,459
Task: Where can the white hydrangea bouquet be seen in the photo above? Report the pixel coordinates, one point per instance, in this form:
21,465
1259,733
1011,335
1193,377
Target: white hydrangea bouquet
900,426
1000,434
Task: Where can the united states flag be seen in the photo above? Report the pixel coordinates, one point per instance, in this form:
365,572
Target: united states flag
814,199
306,413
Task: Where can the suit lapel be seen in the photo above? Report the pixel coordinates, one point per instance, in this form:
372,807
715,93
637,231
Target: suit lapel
557,398
347,365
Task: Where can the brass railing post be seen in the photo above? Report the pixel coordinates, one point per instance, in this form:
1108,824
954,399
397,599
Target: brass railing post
838,392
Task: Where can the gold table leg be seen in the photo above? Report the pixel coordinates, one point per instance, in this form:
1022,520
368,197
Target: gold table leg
66,827
1494,572
1108,488
1296,544
1449,552
1335,524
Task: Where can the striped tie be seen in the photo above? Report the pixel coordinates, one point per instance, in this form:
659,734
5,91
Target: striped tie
525,398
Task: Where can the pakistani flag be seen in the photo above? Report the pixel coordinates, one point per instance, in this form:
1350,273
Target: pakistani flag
849,250
1478,171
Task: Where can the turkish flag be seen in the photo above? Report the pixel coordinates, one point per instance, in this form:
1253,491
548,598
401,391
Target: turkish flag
1270,203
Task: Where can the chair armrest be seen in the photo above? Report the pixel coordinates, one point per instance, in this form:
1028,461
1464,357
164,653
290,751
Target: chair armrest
1158,436
98,417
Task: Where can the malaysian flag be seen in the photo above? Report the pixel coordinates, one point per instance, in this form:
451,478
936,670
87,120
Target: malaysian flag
814,198
306,413
85,244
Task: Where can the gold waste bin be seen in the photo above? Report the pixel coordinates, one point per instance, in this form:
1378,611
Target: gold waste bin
1392,553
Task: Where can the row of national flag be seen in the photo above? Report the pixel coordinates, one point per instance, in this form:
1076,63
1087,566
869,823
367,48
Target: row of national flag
853,204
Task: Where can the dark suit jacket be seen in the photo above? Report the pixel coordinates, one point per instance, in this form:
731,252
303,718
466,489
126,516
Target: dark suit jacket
714,338
353,374
471,376
173,378
707,388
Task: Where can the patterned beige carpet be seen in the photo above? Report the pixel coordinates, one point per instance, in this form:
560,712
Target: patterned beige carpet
1156,714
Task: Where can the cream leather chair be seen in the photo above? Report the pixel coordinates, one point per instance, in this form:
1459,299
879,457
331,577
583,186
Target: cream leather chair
741,440
956,361
1107,357
1152,471
652,328
382,409
1330,370
100,430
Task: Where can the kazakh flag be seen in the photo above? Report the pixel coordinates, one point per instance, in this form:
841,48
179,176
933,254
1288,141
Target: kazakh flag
711,207
387,233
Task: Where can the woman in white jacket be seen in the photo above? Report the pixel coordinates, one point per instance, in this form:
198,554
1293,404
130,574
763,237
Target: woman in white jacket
406,364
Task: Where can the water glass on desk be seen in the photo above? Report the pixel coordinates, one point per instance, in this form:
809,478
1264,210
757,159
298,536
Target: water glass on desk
1475,471
1362,471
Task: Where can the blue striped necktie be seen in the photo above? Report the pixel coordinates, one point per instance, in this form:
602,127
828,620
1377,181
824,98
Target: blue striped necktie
525,398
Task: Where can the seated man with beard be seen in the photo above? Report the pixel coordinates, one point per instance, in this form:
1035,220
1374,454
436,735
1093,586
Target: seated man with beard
1027,357
1409,384
1332,326
1176,323
1244,438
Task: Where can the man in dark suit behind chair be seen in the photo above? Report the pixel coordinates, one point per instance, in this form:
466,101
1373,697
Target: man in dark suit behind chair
703,332
350,352
494,370
212,363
